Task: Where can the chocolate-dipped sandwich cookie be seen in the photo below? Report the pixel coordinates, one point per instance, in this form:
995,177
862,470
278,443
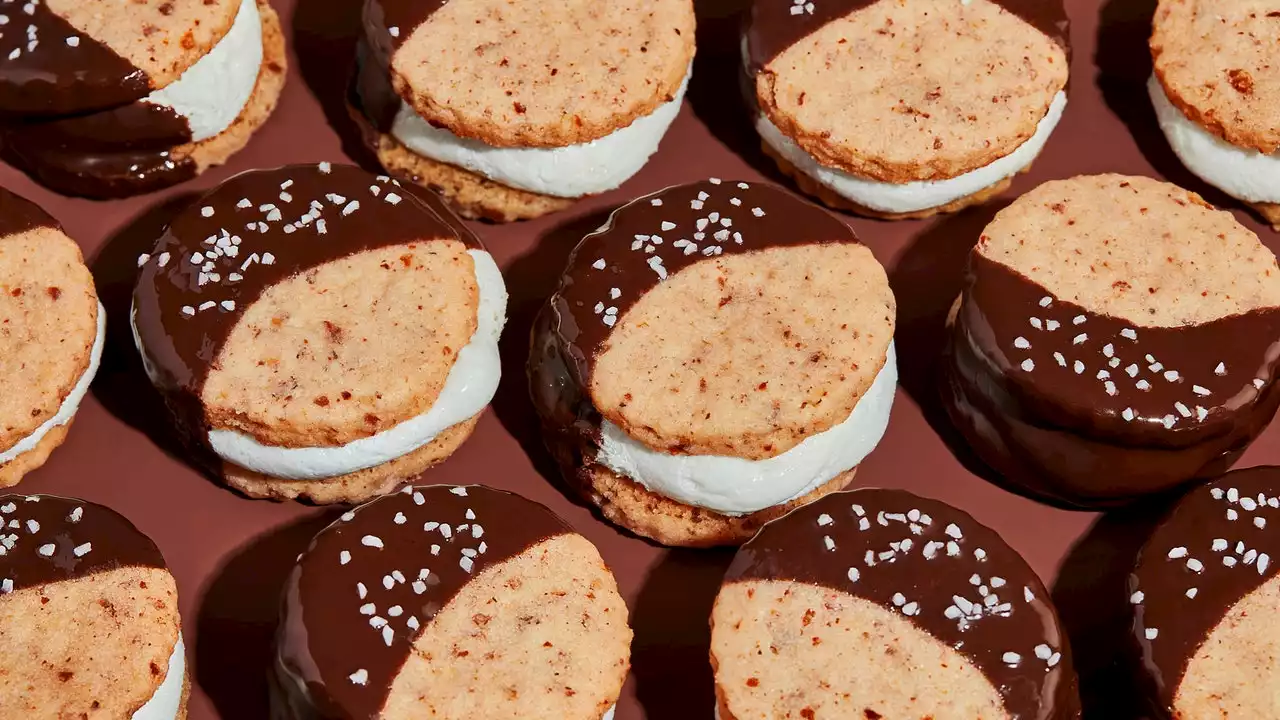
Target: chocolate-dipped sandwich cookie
717,354
88,616
1216,91
1204,594
1116,336
51,332
881,604
115,99
450,603
906,108
320,332
512,110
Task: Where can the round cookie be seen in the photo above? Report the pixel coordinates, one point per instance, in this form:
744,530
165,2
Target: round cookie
451,602
88,616
1216,90
1116,337
881,604
53,328
320,332
505,110
172,134
1204,593
986,87
715,355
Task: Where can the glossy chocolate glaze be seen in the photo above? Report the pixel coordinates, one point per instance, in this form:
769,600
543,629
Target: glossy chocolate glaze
380,16
251,233
332,629
948,575
1107,411
47,539
775,25
18,214
47,67
1212,541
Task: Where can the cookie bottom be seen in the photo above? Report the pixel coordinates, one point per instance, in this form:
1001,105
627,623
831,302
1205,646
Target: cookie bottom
354,487
12,472
1269,212
473,196
828,197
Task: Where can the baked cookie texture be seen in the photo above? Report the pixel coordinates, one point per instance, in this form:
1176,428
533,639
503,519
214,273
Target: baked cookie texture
1119,323
878,603
504,611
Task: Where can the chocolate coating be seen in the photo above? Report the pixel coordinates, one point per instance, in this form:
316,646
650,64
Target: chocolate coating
328,633
18,214
1090,410
48,539
404,15
1245,556
252,232
948,575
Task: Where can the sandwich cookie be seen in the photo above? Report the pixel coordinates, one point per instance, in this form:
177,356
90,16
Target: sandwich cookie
881,604
1116,336
451,603
515,110
52,328
1216,91
906,108
88,616
1204,594
717,354
320,332
161,91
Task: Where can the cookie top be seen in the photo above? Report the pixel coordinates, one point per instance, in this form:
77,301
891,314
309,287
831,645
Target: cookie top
1127,306
1219,544
376,591
67,56
945,573
982,74
1216,63
49,312
533,74
724,317
292,304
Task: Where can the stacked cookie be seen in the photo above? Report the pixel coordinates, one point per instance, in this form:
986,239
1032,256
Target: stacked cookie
717,354
514,110
115,99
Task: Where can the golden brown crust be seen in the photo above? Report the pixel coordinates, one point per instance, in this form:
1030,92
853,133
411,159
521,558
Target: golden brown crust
536,74
12,472
1269,212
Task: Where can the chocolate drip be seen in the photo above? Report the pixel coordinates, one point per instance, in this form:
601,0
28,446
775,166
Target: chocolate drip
18,215
327,636
1225,512
1090,409
921,558
48,539
47,67
775,25
251,233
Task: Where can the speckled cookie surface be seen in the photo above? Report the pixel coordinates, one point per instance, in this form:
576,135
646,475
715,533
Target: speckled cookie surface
535,74
1216,62
907,90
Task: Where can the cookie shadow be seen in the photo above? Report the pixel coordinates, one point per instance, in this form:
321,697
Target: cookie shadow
670,656
239,609
1091,594
325,33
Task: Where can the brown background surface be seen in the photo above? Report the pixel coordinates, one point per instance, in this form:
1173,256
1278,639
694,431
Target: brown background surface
230,554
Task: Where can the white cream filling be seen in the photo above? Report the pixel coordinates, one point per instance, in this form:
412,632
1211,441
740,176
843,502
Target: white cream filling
735,486
920,194
167,700
570,171
609,715
1240,172
469,387
71,403
212,93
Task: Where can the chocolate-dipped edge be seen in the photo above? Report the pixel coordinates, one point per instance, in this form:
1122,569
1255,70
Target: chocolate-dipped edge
381,16
48,539
18,215
185,311
1226,511
938,567
327,638
1061,433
